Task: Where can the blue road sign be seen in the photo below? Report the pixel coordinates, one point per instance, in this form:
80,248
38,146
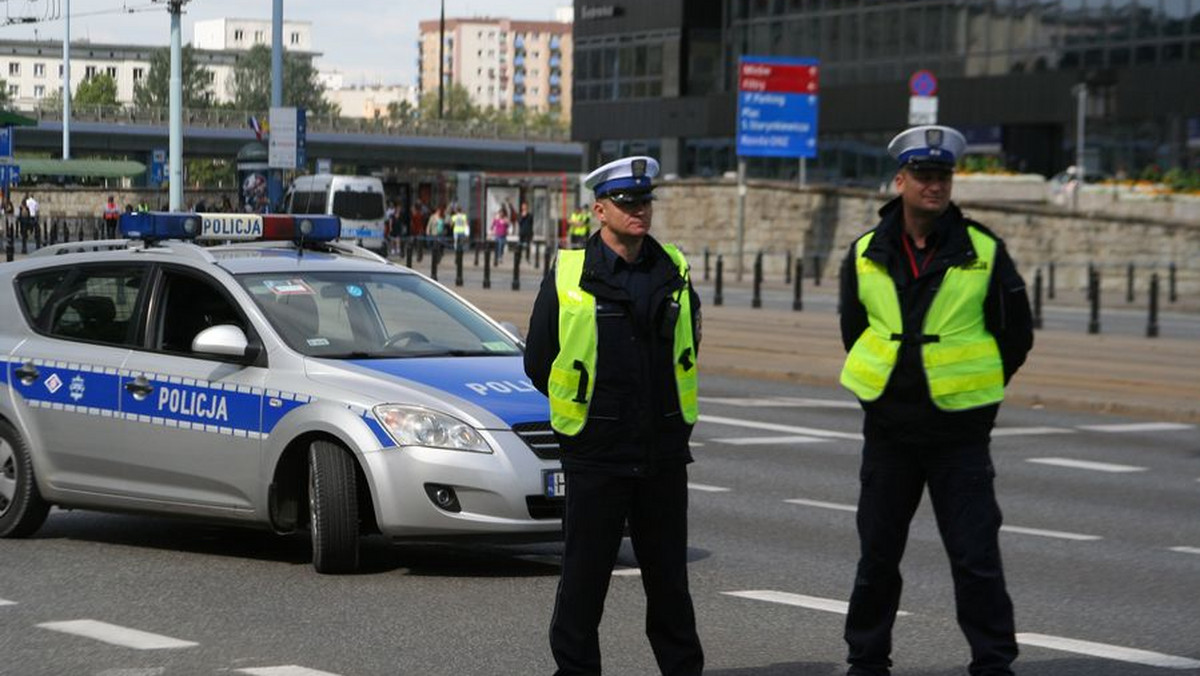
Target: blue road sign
10,174
777,107
6,141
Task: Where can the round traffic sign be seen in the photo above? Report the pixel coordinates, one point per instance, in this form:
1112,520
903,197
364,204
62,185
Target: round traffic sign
923,83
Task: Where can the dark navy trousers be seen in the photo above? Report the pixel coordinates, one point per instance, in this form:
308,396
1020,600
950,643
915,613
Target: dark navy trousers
960,480
598,506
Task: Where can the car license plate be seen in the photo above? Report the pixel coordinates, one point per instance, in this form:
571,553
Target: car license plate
554,483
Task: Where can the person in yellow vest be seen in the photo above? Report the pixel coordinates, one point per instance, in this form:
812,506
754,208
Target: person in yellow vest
462,228
579,227
936,320
612,342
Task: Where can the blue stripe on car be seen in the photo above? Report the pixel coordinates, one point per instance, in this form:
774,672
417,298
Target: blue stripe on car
497,384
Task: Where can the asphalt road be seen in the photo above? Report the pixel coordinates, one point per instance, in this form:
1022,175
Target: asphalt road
1101,546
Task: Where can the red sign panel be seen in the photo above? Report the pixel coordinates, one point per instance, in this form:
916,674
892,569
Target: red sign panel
787,79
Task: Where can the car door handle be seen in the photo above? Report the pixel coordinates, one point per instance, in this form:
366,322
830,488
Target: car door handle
27,373
139,387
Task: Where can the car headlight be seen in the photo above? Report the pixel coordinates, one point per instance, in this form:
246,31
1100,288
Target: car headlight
413,426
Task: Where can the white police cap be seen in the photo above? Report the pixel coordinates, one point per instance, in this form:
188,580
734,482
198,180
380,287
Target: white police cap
930,146
626,174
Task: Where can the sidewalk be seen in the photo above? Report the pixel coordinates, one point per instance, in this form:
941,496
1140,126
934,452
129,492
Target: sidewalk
1128,375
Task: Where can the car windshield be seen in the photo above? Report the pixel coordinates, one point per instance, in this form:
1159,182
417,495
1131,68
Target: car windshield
362,206
355,315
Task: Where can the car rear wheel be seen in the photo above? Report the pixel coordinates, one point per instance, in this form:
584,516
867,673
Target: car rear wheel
22,509
332,508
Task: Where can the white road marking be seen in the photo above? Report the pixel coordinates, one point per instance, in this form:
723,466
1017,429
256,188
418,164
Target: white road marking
765,441
780,402
1138,427
1028,431
1111,652
707,489
117,635
774,427
289,670
823,505
1085,464
6,602
1186,550
1048,533
787,599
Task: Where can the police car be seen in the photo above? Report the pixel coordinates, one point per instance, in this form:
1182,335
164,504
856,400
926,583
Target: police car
279,378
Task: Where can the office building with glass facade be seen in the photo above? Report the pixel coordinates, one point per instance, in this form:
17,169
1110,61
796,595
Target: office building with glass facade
662,78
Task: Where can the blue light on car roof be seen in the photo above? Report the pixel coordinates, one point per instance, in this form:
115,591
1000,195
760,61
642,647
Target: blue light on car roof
157,225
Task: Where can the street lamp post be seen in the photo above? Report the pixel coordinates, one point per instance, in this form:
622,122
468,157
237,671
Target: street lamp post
1081,92
175,154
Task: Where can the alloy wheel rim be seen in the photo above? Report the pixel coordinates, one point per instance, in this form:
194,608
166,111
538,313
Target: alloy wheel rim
8,476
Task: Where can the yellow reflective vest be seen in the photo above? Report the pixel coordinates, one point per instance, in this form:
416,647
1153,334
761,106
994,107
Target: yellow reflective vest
961,358
462,226
573,373
580,223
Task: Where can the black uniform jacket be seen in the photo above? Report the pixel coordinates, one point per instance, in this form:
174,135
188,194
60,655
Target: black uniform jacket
905,412
634,423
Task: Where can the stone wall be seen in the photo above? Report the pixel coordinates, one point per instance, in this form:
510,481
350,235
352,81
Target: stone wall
821,223
55,202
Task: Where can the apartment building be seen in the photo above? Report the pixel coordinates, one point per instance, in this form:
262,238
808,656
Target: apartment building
33,69
503,63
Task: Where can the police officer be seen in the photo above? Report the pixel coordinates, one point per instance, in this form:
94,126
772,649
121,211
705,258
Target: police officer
612,342
462,227
580,226
936,321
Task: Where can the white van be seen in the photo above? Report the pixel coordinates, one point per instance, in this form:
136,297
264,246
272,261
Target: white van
357,200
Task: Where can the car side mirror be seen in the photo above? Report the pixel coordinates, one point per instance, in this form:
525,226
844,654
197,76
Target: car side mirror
224,340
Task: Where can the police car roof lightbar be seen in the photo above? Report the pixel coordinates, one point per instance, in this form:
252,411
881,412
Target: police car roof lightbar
159,225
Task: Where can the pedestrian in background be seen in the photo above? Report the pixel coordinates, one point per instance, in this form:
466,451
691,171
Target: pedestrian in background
500,233
112,212
525,231
612,342
936,321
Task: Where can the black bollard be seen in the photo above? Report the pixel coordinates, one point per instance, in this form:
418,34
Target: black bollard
1091,274
1171,283
24,241
1050,286
408,254
458,273
718,297
53,234
797,300
516,283
1094,297
756,301
706,254
1152,323
816,270
787,267
435,255
421,249
1129,284
9,241
475,246
487,268
1037,299
546,263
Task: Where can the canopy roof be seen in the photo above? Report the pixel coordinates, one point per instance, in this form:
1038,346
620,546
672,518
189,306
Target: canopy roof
93,168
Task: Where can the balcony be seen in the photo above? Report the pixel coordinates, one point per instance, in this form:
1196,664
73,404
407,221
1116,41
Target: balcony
555,61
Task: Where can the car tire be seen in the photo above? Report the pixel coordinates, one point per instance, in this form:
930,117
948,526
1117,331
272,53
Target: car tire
332,508
22,509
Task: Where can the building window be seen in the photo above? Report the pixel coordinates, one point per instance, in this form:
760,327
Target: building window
239,35
14,91
138,74
14,68
39,70
258,37
89,72
295,38
111,71
39,91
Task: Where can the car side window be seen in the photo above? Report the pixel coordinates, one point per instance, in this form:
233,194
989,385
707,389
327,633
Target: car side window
189,304
92,304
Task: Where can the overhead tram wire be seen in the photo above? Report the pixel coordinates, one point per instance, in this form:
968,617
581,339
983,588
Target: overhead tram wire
54,13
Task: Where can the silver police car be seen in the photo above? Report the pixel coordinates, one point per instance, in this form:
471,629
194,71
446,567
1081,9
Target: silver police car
295,383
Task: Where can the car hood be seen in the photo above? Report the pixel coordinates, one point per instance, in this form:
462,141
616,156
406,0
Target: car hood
456,385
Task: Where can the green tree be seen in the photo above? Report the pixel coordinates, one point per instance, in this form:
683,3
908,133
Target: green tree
155,89
251,83
457,104
5,102
99,90
401,111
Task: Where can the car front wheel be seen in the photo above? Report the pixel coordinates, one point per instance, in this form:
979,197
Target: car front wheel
333,508
22,509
